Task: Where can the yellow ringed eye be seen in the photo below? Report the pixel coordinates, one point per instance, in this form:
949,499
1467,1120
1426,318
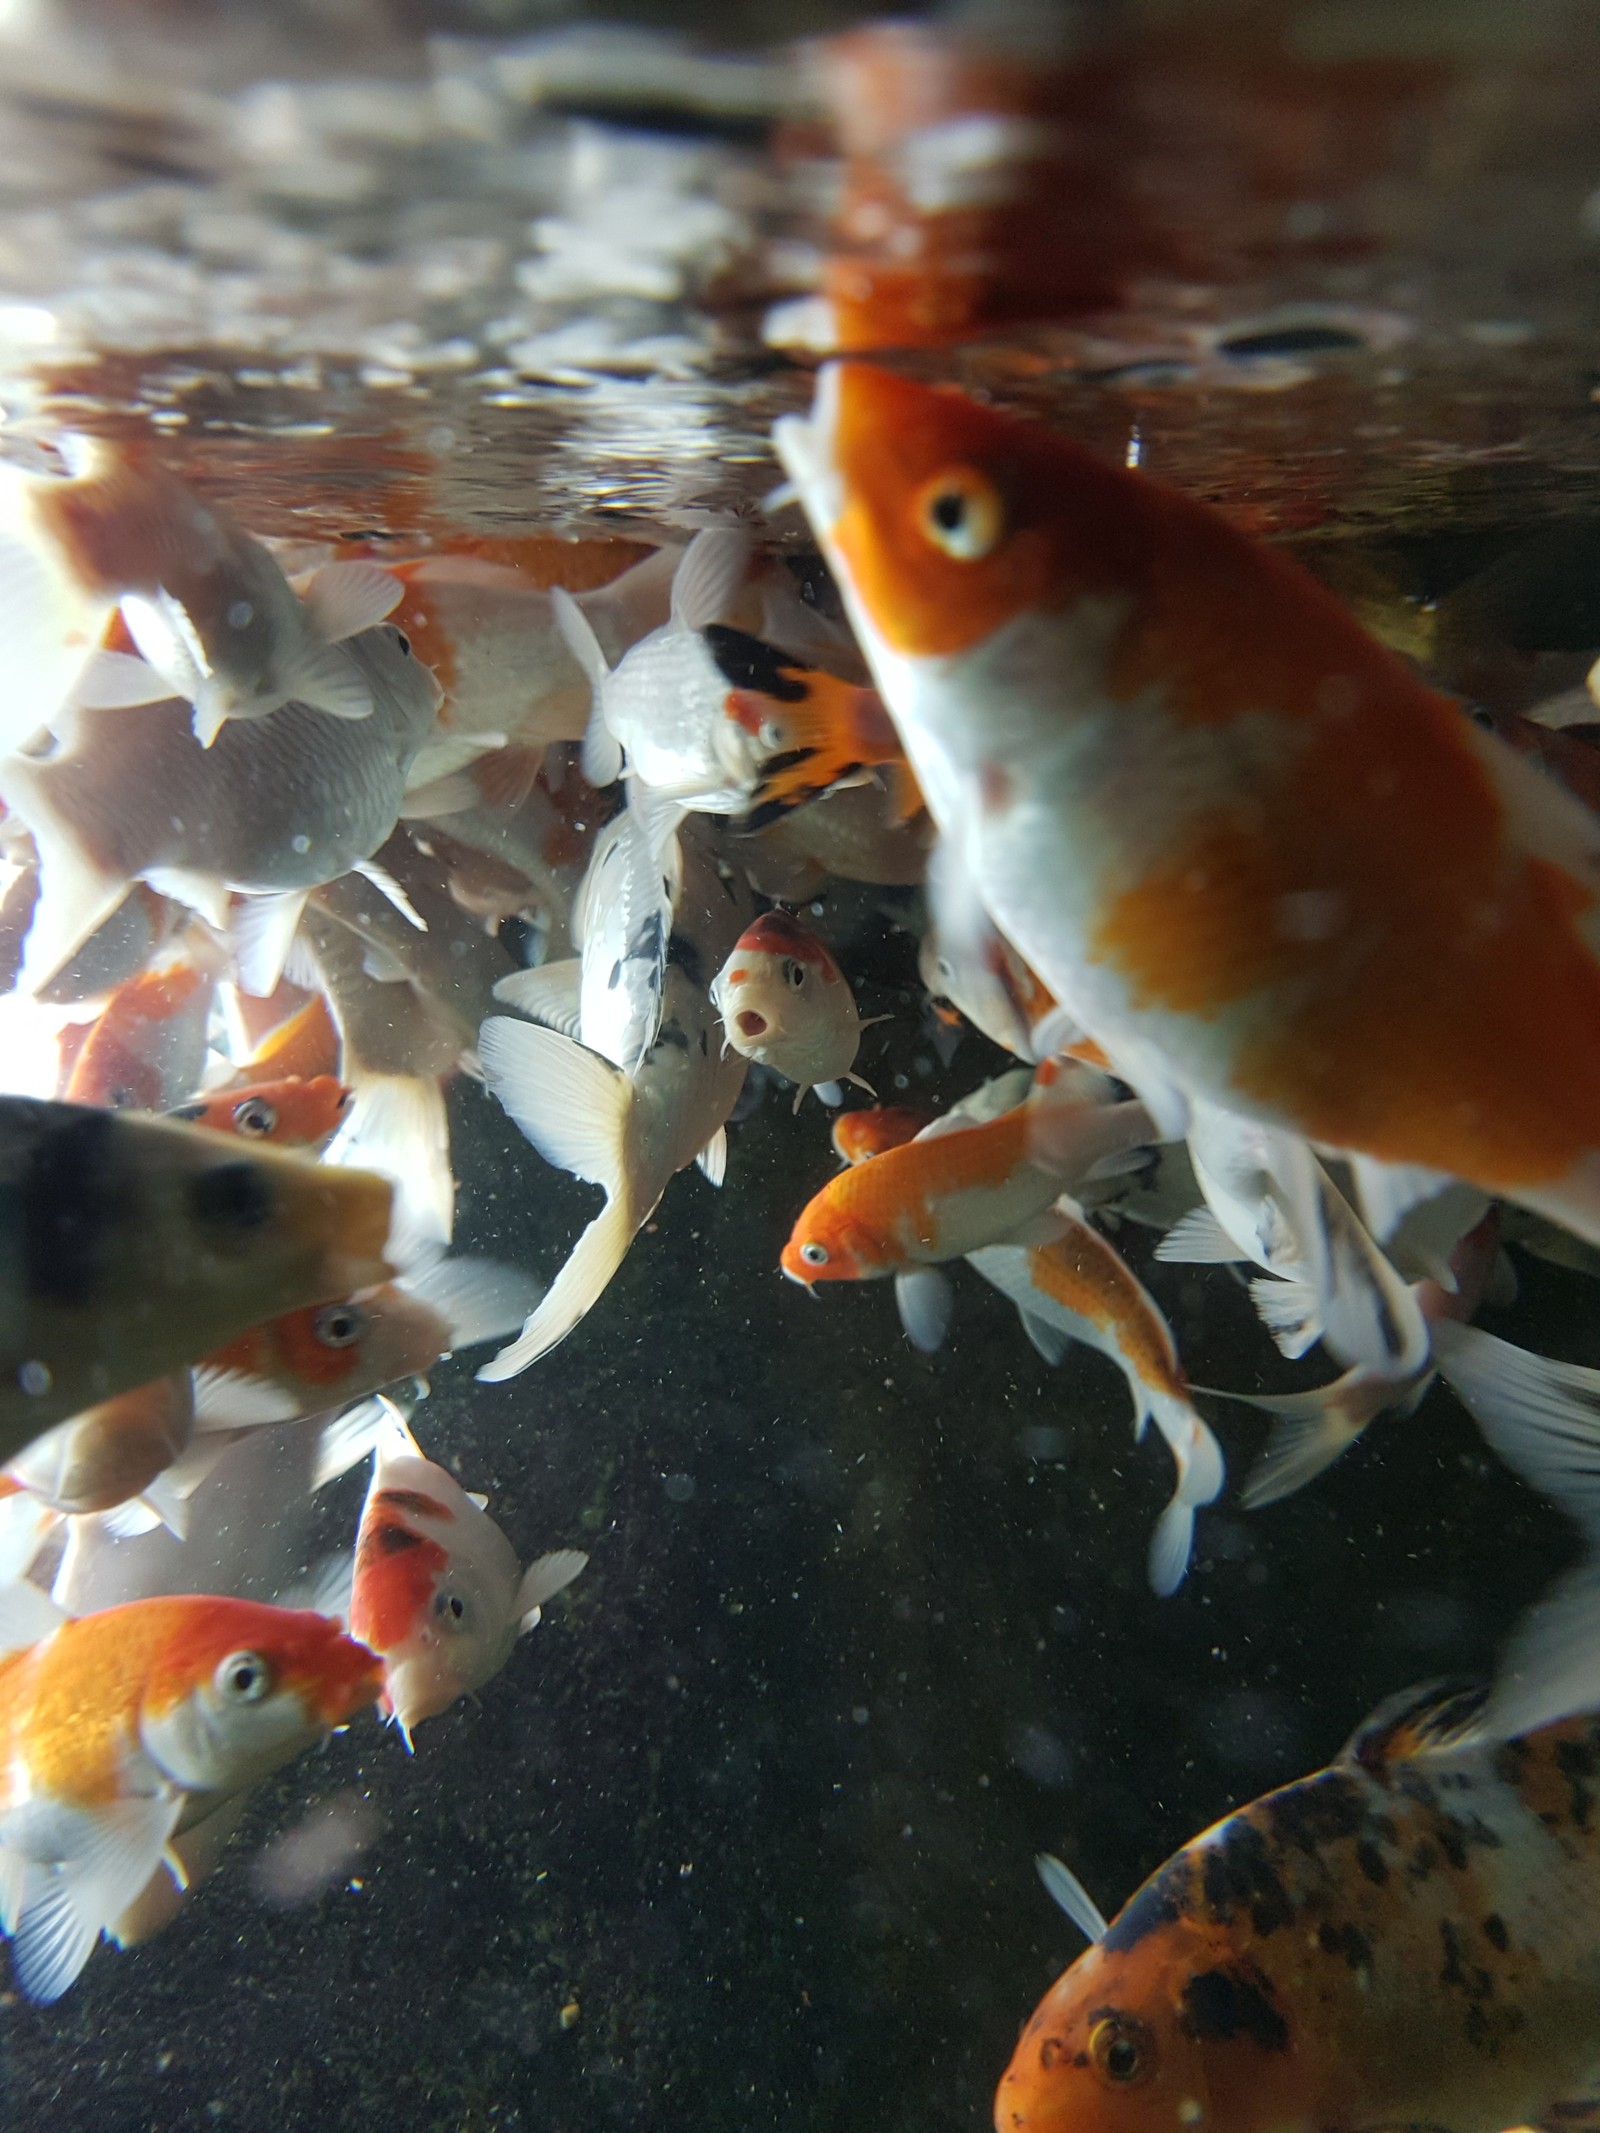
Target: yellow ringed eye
1122,2050
960,512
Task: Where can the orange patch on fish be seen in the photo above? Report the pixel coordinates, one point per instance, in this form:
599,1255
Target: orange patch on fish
1084,1273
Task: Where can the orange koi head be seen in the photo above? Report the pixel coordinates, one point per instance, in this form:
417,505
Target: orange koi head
292,1112
830,1242
342,1349
859,1135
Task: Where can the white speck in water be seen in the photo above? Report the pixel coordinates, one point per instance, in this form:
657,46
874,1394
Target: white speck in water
35,1379
301,842
1190,2112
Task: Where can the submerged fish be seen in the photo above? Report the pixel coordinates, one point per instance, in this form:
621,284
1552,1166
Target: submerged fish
859,1135
292,1113
135,1244
439,1594
148,1044
119,1730
1407,1938
786,1004
1243,845
111,1452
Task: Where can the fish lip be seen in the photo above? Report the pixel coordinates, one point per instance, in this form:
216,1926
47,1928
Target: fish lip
799,1280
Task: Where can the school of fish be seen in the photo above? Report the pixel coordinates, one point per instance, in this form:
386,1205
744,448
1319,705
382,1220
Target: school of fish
1291,965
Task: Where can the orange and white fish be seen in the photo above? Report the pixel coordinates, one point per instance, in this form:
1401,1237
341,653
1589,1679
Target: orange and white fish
111,1452
438,1592
1080,1288
1406,1938
961,1185
291,1113
148,1045
786,1004
329,1354
1243,845
806,731
119,1730
859,1135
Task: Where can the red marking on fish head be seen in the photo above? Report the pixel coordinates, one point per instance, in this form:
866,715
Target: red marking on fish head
397,1568
776,933
307,1653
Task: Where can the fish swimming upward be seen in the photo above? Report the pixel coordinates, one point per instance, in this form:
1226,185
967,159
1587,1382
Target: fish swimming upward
1240,842
1408,1938
786,1004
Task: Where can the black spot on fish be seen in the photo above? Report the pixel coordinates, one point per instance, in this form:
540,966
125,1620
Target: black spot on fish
683,955
1478,2031
673,1035
1219,2004
1422,1862
1317,1813
615,978
1371,1862
750,664
1451,1842
407,1500
1159,1903
1510,1760
1239,1874
1576,1762
1292,341
234,1196
1494,1927
395,1540
1452,1974
65,1178
1347,1941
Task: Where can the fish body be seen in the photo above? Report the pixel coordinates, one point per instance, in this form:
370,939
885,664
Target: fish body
147,1047
134,1244
291,1113
118,1729
859,1135
280,803
1243,845
786,1004
1080,1288
956,1188
110,1453
1406,1938
439,1594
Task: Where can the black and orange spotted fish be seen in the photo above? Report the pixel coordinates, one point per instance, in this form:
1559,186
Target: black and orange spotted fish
1409,1938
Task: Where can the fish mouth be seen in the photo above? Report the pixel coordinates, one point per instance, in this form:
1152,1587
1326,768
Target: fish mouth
750,1023
799,1280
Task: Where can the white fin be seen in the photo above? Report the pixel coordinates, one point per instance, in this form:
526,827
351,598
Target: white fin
262,930
1569,707
1541,1417
330,680
130,1520
549,994
204,893
923,1298
1199,1239
1550,1667
397,1125
831,1093
346,598
1418,1216
451,794
713,1157
25,1524
234,1399
326,1587
119,681
1047,1338
477,1498
206,722
543,1579
711,575
388,888
1068,1894
1370,1317
167,1504
568,1101
601,755
1171,1544
658,816
75,896
66,1907
575,1291
27,1615
1288,1310
480,1299
602,752
351,1437
1309,1432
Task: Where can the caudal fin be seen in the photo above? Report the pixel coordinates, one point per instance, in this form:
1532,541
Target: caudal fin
397,1125
573,1294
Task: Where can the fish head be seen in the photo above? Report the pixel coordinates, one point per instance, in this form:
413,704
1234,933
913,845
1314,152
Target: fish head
357,1343
785,1003
828,1243
236,1688
1166,2026
292,1113
945,519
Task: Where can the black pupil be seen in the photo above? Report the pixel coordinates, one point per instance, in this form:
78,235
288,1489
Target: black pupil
254,1118
797,976
1121,2059
949,510
244,1679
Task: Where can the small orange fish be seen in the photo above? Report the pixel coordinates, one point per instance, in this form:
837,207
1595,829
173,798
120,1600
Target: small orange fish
438,1591
1239,841
149,1043
291,1112
119,1730
860,1135
1406,1938
786,1004
303,1045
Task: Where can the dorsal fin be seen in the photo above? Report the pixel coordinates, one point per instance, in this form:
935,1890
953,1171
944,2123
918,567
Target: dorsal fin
1426,1720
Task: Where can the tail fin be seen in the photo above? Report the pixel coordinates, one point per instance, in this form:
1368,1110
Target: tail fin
602,753
75,895
573,1294
479,1299
397,1126
1312,1429
1201,1472
1541,1417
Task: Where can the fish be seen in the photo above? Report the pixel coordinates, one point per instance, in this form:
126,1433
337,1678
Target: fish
1243,844
138,1243
148,1044
961,1185
438,1592
786,1004
1079,1288
859,1135
119,1730
112,1452
628,1134
1405,1938
210,613
803,732
279,805
852,831
291,1113
327,1354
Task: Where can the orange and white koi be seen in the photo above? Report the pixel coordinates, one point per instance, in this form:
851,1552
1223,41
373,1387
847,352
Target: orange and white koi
1244,846
291,1113
1406,1938
806,731
119,1730
786,1004
859,1135
148,1045
110,1453
438,1592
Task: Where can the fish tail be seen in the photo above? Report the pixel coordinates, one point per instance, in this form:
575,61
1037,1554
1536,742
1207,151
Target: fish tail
594,1259
602,755
397,1126
1201,1472
1310,1430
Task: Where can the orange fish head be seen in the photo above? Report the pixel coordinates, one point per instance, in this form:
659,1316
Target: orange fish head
946,519
1164,2027
827,1245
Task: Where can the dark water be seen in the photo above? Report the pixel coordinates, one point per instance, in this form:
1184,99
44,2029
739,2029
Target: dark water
742,1837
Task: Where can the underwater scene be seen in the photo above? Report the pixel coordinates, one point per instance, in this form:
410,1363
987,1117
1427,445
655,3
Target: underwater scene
799,1067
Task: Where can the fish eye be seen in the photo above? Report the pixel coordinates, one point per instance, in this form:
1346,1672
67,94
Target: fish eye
243,1678
340,1325
794,973
449,1607
255,1118
772,735
960,512
404,643
814,1254
1122,2050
